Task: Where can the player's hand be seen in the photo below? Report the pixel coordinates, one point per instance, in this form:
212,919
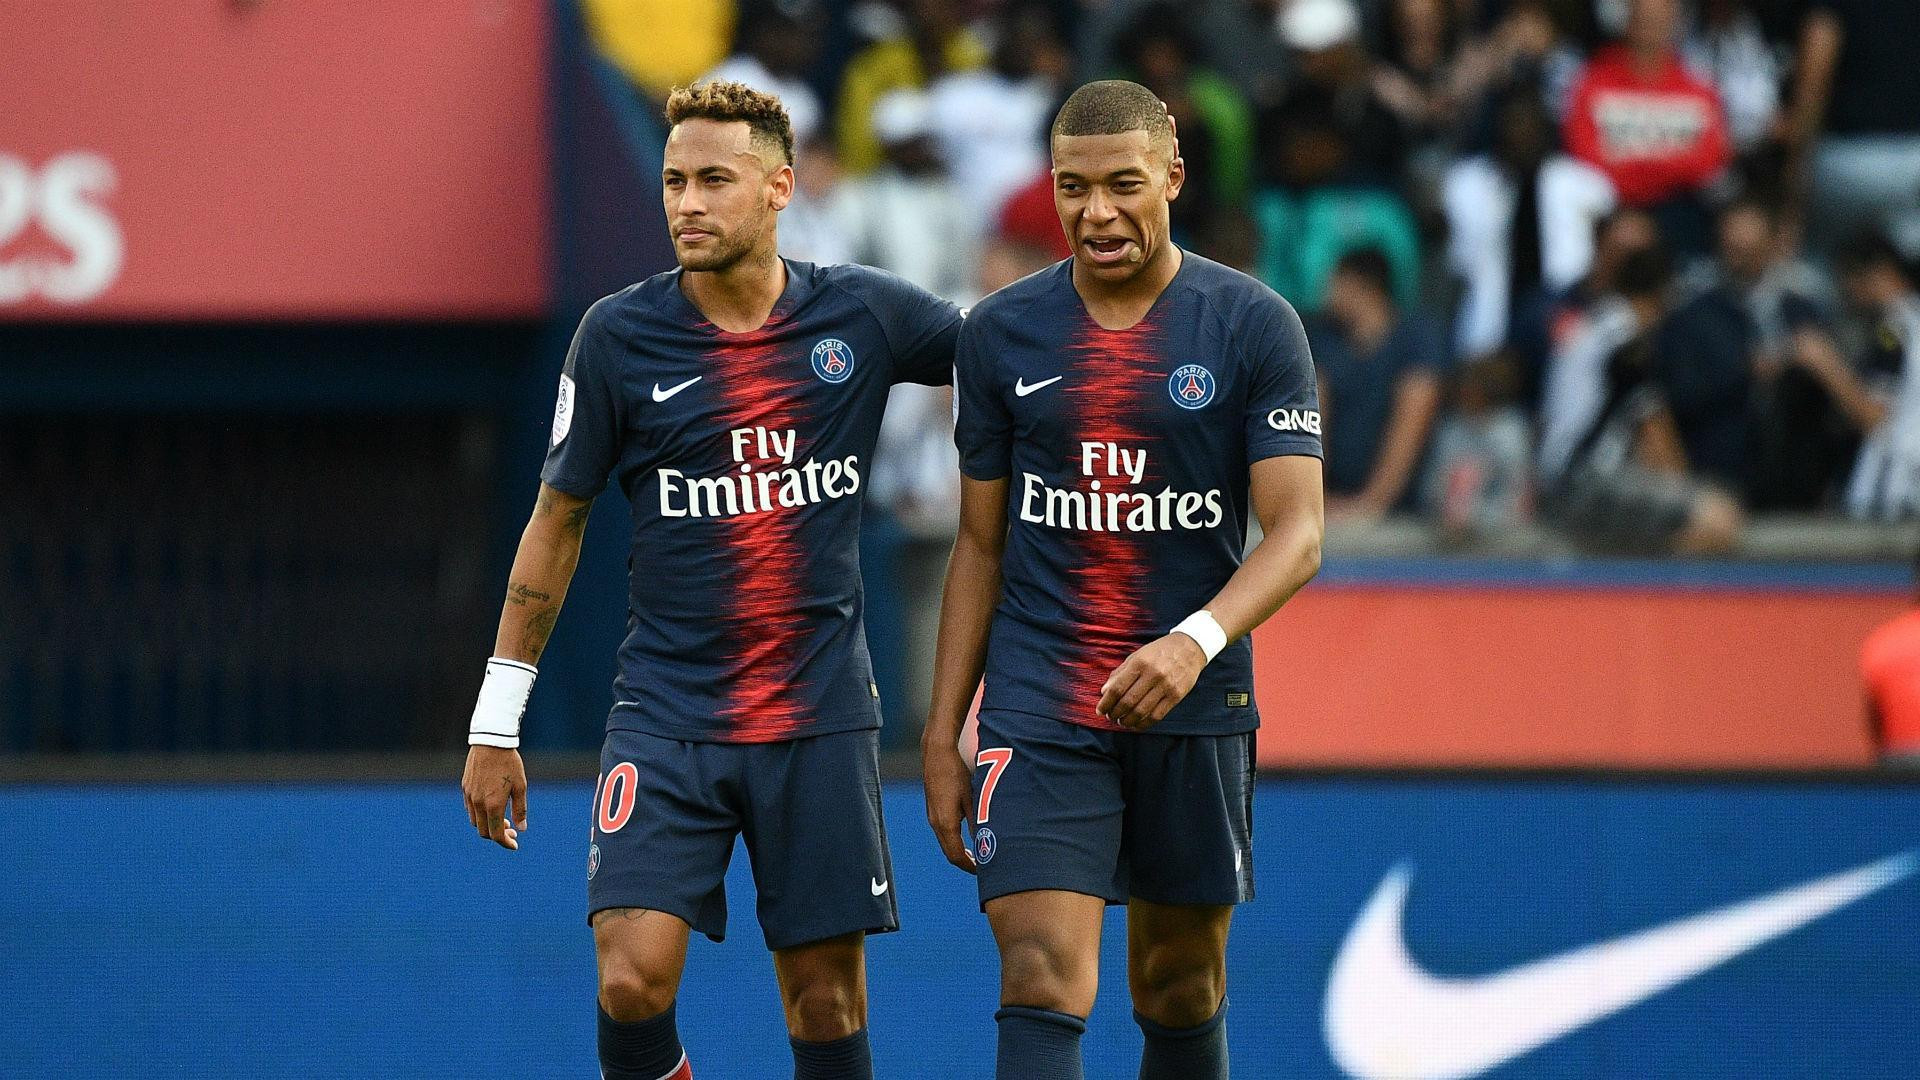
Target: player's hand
949,786
495,779
1148,684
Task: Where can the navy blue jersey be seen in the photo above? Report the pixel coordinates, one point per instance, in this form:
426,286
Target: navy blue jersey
744,457
1127,455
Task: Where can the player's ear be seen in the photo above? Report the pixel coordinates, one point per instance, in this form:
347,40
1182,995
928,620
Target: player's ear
780,187
1176,165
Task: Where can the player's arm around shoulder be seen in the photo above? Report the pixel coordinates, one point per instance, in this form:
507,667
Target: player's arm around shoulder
495,780
921,328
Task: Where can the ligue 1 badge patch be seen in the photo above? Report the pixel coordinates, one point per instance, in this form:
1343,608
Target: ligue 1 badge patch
833,360
562,412
985,844
1191,386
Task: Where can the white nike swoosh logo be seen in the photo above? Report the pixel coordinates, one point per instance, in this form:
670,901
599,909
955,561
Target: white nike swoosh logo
1385,1017
1021,389
662,395
880,887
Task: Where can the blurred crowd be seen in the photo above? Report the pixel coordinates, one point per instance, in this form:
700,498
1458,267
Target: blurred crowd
1636,269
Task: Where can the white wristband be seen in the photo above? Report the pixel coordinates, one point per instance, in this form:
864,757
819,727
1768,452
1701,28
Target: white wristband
1205,631
503,698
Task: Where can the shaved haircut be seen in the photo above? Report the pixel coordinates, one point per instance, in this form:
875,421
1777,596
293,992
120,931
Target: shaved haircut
1114,106
731,102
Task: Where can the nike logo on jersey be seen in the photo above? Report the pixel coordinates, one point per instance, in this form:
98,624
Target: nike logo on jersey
880,887
662,395
1021,389
1386,1016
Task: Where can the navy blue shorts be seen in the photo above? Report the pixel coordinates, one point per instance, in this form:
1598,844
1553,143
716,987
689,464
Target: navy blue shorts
666,813
1113,814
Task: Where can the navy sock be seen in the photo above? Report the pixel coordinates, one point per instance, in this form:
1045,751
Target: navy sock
846,1058
1195,1053
1039,1043
642,1049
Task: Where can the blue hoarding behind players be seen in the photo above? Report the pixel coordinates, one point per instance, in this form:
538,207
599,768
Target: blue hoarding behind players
1498,873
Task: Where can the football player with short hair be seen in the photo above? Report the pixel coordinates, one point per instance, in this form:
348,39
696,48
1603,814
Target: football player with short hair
736,400
1115,410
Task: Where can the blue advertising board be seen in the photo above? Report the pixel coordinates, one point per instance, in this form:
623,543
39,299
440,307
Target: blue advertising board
1505,928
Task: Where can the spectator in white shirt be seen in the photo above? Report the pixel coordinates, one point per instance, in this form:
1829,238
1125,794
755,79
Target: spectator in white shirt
908,216
1521,221
991,123
1883,398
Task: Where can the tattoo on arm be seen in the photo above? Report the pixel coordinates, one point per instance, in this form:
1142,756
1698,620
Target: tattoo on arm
539,628
577,518
523,594
540,608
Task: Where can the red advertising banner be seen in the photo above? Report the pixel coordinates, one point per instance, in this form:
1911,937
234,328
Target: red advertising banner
271,159
1376,676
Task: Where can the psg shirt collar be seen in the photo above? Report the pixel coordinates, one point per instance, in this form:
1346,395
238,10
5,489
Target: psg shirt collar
1173,285
799,283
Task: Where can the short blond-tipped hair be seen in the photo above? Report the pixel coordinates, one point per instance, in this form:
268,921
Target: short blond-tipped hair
728,102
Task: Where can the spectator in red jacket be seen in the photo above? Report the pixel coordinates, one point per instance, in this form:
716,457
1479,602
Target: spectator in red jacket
1657,130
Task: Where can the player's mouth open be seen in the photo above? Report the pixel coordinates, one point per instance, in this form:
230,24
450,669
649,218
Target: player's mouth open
1107,249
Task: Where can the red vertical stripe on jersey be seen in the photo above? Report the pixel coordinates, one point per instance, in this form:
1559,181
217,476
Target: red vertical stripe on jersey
766,629
1115,372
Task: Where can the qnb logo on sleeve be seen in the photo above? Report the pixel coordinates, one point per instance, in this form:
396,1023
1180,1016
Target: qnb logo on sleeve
1113,501
768,479
1307,420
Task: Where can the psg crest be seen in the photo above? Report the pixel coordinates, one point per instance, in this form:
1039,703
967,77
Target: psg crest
593,861
985,844
833,360
1191,386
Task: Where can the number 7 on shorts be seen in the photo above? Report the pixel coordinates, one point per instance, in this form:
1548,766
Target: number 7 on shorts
995,759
